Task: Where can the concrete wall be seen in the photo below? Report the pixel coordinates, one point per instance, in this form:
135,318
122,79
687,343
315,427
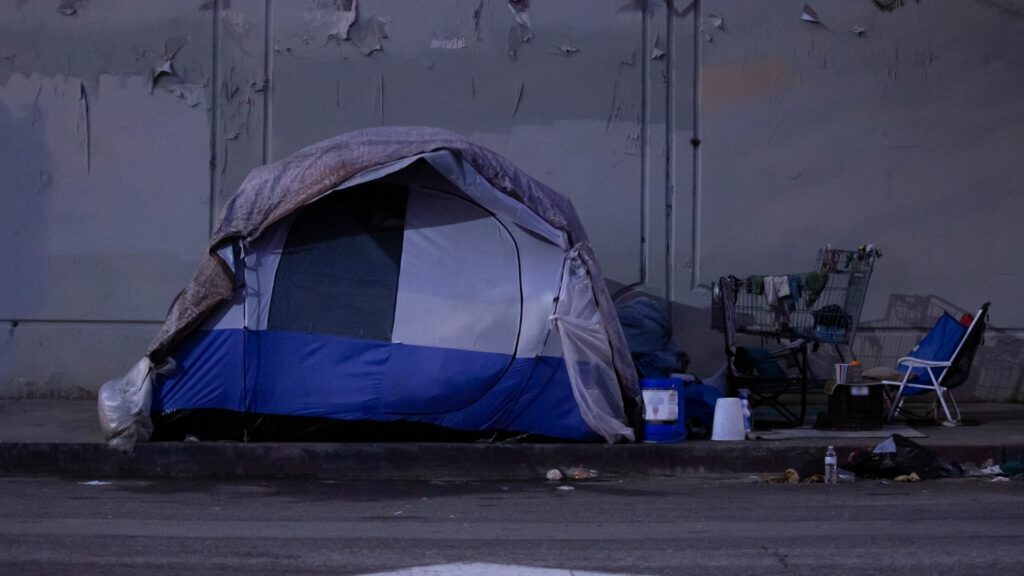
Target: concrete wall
910,136
125,124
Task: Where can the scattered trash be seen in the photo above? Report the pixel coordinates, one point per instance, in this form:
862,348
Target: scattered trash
790,476
191,438
912,477
990,468
809,15
895,456
124,407
994,470
580,474
568,50
716,21
842,476
576,473
565,488
999,479
1012,467
96,483
831,469
858,30
952,470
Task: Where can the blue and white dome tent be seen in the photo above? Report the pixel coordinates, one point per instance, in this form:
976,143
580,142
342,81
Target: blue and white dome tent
382,283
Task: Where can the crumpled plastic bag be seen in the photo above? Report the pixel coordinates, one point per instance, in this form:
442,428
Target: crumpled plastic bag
895,456
124,406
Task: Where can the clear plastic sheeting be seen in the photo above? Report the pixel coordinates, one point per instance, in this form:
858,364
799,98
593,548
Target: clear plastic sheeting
124,407
588,355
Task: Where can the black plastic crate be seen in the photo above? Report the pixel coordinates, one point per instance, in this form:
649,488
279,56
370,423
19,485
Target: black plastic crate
861,412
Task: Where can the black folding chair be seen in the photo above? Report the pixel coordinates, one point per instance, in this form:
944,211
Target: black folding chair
767,374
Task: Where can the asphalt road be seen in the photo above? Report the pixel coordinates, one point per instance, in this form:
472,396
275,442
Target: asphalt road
633,526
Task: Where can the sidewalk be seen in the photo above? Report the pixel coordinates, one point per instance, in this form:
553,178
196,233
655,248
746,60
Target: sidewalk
62,437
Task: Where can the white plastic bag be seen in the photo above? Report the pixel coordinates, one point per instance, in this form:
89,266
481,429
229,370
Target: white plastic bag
124,407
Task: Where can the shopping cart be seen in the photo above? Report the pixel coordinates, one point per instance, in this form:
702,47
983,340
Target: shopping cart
818,307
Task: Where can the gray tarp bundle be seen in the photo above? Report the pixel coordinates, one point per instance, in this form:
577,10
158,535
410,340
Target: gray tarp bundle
275,191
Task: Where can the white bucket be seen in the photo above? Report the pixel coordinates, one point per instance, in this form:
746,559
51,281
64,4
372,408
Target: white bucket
728,424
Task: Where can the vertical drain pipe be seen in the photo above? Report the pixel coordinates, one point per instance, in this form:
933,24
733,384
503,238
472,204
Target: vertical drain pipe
215,140
695,238
670,172
268,73
645,120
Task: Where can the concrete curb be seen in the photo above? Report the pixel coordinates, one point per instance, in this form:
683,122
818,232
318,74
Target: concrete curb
413,461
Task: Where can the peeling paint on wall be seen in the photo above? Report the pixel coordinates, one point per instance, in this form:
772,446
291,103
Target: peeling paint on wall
68,7
191,94
794,114
477,14
166,68
520,32
344,17
810,15
341,21
658,49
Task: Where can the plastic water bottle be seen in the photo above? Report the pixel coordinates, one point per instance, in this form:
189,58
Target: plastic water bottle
748,416
831,472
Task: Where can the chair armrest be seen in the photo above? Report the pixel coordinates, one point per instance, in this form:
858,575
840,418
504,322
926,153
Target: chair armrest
918,363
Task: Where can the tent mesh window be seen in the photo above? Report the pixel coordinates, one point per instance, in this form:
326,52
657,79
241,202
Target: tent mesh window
339,269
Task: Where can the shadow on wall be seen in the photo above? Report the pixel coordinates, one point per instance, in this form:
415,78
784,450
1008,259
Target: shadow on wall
998,371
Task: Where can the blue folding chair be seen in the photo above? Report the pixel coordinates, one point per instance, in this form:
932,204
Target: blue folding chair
940,362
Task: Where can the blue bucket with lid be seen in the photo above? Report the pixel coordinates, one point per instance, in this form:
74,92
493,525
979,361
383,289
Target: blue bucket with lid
664,410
